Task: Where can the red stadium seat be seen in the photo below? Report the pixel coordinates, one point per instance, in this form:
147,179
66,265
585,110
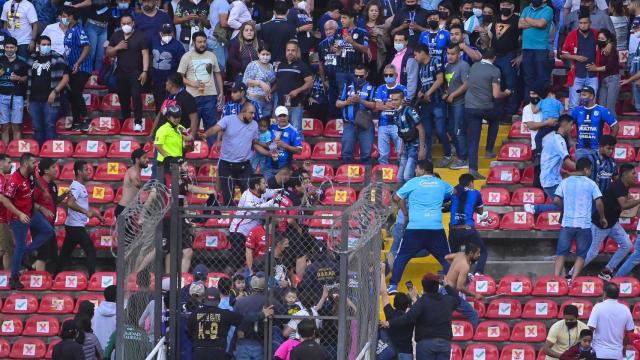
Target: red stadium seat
20,303
515,152
503,174
36,280
478,306
624,152
17,147
305,154
325,219
52,344
540,309
590,286
481,352
386,195
462,330
92,83
456,352
321,172
528,175
550,285
5,348
584,308
199,199
103,239
389,173
94,149
483,285
185,279
122,149
207,173
96,299
517,220
503,309
101,280
312,127
214,277
518,352
339,195
327,150
56,149
527,195
148,103
529,331
67,171
519,131
333,129
548,220
211,240
28,348
110,102
222,223
515,285
100,193
56,304
350,173
64,126
629,286
61,216
4,279
110,171
11,325
70,281
200,150
490,223
495,196
104,126
92,101
41,325
129,123
109,216
628,130
492,331
629,224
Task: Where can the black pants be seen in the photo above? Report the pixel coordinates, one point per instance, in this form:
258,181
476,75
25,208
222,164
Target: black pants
237,258
232,175
159,93
77,82
77,235
129,88
204,353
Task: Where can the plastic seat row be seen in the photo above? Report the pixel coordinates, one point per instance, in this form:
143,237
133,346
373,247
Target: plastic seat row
110,102
484,351
499,331
50,304
27,348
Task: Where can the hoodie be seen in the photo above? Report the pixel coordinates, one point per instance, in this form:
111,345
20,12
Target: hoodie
104,322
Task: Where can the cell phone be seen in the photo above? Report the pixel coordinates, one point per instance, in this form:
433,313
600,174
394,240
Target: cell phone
409,285
407,21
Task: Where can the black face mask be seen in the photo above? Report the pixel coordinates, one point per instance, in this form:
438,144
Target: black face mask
411,7
571,324
535,100
505,12
602,44
467,14
443,14
433,24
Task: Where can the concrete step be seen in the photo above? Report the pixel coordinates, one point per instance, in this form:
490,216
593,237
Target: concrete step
499,268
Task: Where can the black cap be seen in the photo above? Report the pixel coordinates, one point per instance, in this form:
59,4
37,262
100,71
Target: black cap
507,1
69,329
200,272
167,29
588,89
174,111
211,296
239,86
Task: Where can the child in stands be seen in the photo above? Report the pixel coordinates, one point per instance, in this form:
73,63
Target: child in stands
581,350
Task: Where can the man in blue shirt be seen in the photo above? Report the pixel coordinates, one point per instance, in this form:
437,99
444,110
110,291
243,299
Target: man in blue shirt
387,128
356,96
351,46
590,119
462,229
421,198
238,98
412,134
535,23
435,38
328,63
166,52
604,167
575,196
287,140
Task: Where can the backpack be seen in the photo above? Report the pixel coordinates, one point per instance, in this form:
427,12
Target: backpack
406,128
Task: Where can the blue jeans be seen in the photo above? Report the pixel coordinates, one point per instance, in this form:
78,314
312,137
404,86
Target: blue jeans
397,232
433,349
44,118
578,84
509,79
41,231
249,350
295,118
458,129
403,356
581,153
413,242
386,135
433,113
536,69
466,309
632,261
97,36
408,160
352,133
617,233
207,109
550,191
265,107
220,51
342,79
636,96
583,241
474,128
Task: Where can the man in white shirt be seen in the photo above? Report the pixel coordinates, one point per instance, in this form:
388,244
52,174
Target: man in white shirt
21,20
531,114
611,322
78,216
56,33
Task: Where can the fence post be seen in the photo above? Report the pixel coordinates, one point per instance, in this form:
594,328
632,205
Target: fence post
159,271
120,289
174,267
344,287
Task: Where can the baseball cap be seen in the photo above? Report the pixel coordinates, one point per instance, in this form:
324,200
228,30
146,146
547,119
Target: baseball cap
281,110
239,86
167,29
200,272
197,289
211,296
588,89
258,281
174,111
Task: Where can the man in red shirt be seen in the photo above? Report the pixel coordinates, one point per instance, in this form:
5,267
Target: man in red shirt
255,245
6,240
46,204
19,190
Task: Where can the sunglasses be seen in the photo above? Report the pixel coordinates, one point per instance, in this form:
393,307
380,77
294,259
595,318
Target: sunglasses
359,76
389,75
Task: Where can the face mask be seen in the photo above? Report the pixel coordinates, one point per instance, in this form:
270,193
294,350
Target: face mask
467,14
65,21
433,24
411,7
389,79
398,46
167,39
10,54
127,29
535,100
45,49
315,67
443,14
477,12
487,19
602,43
265,59
571,324
123,6
584,102
360,81
505,11
536,3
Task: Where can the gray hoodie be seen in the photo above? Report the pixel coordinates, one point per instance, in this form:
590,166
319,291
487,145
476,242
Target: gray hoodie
104,322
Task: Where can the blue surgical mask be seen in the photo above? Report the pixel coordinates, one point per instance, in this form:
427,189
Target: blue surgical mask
45,49
398,46
64,21
123,6
584,101
390,79
315,67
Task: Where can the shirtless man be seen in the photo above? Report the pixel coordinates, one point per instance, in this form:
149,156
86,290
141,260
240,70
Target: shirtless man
132,182
457,278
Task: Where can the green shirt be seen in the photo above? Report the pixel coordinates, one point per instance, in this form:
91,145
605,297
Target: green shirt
136,343
170,139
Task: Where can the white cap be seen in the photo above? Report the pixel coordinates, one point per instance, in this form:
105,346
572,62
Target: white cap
281,110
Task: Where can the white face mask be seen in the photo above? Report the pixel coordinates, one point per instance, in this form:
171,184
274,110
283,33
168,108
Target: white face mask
265,59
127,29
477,12
167,39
